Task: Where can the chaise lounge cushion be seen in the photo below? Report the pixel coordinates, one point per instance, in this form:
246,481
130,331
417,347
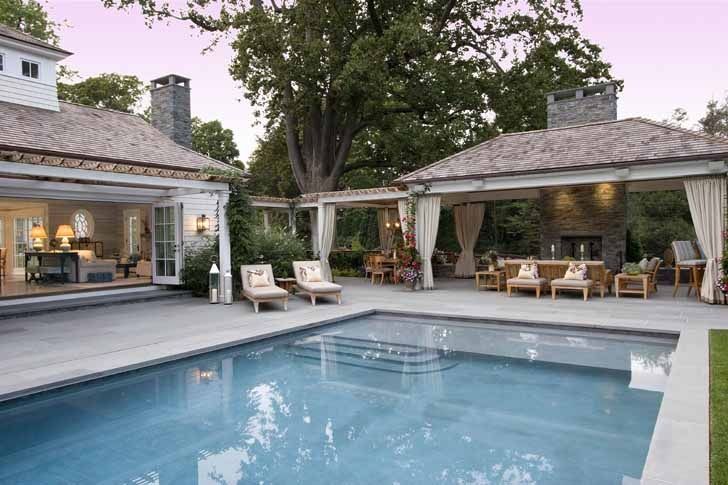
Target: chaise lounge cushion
571,283
692,262
526,282
319,287
266,292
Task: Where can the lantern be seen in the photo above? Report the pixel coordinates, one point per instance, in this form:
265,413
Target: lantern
203,223
228,280
214,283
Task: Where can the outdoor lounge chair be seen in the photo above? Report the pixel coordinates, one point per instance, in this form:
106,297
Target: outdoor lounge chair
259,294
314,289
689,257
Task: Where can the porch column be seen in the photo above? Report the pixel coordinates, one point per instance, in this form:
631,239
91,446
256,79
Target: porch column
314,232
266,220
224,237
292,220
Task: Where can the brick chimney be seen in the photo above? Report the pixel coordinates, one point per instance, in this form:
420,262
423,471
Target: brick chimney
171,113
581,105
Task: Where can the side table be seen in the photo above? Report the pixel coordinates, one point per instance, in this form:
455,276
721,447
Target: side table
491,279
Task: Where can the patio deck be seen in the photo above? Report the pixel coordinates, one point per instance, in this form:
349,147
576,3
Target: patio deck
53,349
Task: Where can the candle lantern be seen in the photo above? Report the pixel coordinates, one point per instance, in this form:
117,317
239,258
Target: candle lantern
581,249
228,286
214,283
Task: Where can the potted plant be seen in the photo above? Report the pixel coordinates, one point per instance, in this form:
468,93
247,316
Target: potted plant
491,259
632,269
411,263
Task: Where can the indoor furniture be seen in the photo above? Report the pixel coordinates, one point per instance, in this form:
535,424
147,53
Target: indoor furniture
51,263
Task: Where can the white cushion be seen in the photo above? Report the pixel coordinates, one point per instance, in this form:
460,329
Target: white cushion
267,292
527,282
528,271
311,274
574,272
643,265
319,287
571,283
258,279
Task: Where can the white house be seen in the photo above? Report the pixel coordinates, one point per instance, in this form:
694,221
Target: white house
124,186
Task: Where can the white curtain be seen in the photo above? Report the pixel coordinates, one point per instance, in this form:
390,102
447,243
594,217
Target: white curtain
428,218
402,208
468,220
707,199
385,235
327,230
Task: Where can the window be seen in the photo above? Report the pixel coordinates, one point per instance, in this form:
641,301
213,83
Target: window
2,62
82,223
30,69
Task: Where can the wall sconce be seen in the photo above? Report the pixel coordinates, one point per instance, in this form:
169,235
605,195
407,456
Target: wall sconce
388,225
203,223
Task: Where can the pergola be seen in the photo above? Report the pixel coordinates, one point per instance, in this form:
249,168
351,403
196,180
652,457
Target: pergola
591,165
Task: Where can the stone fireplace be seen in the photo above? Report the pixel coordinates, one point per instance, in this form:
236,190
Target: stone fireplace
593,215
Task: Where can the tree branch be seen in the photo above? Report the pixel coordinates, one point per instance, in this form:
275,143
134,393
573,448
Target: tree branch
375,18
442,21
294,147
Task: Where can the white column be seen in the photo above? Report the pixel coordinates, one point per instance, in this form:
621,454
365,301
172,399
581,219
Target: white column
292,220
315,236
266,220
224,236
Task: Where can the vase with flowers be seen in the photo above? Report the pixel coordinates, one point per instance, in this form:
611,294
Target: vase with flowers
491,259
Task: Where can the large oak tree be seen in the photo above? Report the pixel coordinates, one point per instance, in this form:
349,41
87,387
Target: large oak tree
329,69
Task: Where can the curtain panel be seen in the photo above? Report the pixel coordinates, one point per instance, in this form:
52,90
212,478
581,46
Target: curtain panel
428,220
327,231
707,199
386,236
468,221
402,209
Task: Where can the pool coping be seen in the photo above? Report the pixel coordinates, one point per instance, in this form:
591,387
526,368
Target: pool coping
678,452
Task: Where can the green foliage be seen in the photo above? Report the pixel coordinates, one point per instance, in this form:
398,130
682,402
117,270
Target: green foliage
240,217
29,16
211,139
198,261
348,263
277,248
632,268
346,272
338,72
655,219
269,168
718,407
715,121
109,90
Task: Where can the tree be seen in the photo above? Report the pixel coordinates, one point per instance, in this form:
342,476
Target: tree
715,121
109,90
30,17
269,169
331,69
211,139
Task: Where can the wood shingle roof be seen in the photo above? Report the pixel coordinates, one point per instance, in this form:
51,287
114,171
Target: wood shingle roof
595,145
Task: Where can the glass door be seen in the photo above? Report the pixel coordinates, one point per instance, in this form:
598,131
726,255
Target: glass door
22,241
167,253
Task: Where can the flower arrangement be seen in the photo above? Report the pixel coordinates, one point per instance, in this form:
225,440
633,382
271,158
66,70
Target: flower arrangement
722,281
411,262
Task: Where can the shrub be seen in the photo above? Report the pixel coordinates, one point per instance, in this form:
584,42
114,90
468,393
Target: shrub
277,248
198,261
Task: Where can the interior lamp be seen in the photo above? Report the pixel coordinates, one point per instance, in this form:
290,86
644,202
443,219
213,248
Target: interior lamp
63,232
38,233
203,223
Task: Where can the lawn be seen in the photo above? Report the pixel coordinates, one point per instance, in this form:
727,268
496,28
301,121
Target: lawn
718,407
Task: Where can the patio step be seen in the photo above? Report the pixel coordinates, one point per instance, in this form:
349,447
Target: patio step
374,355
51,303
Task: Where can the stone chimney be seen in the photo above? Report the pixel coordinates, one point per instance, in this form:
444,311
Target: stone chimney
581,105
171,112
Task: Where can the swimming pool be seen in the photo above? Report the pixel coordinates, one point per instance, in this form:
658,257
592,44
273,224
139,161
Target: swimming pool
376,399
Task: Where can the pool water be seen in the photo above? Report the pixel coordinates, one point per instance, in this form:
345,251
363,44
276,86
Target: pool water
378,399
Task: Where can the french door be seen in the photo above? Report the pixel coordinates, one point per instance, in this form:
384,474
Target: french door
167,241
21,240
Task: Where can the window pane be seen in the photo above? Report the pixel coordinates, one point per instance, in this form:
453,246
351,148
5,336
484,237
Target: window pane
160,268
34,71
26,68
171,268
2,62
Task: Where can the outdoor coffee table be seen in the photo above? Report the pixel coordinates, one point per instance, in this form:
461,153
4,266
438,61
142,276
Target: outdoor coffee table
491,279
287,284
623,280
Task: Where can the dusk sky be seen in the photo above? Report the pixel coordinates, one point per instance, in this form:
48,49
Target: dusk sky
669,53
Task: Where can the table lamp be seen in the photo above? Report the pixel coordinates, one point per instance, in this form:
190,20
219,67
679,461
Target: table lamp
38,233
63,232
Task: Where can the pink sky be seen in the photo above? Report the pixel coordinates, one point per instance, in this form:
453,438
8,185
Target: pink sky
669,53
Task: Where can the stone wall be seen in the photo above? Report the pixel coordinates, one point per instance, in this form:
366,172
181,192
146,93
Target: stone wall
593,210
171,112
581,105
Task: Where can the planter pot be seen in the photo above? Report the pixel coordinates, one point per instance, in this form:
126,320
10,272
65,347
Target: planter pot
410,285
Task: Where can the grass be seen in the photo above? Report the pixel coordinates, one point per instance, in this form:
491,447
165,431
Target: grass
718,407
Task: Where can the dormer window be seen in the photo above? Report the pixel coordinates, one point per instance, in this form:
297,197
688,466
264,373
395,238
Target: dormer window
30,69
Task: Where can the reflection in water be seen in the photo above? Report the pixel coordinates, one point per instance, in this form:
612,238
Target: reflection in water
376,400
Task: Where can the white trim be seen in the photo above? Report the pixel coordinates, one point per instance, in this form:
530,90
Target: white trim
378,196
34,49
270,204
580,177
18,168
35,189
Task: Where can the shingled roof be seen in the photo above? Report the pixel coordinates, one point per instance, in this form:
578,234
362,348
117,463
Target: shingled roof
86,133
16,35
595,145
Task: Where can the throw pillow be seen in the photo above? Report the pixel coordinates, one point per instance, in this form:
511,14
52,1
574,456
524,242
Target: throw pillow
643,265
652,265
528,271
258,278
311,274
574,272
